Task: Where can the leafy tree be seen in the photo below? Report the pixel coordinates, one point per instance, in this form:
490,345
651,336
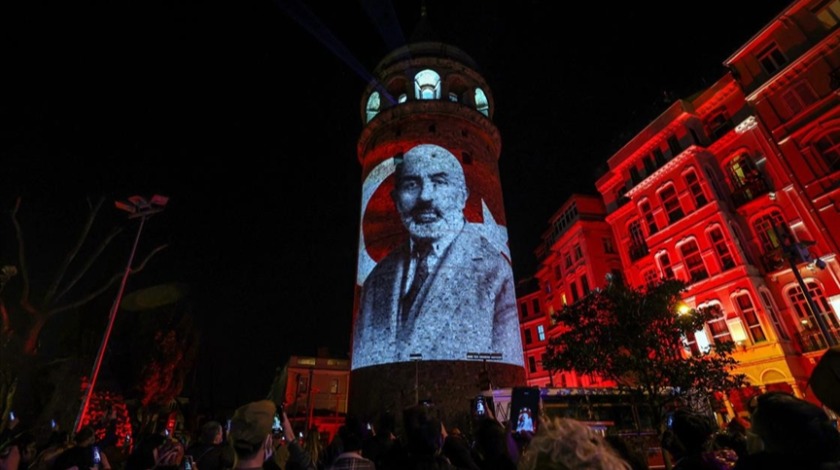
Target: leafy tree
634,338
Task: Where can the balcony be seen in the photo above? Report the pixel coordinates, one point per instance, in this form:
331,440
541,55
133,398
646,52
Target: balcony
752,188
813,340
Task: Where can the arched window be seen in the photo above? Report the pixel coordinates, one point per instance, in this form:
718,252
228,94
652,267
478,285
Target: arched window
647,214
719,243
373,105
402,98
665,265
750,315
812,337
828,147
770,308
718,329
638,247
671,203
427,85
690,252
481,103
693,184
767,228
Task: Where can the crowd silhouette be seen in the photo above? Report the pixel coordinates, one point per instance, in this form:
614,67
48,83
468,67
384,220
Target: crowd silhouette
780,432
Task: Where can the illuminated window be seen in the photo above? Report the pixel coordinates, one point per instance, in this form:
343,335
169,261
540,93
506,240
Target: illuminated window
481,103
334,386
717,241
770,308
427,85
767,228
741,170
647,214
665,265
671,203
373,105
453,97
403,98
528,337
693,261
828,148
695,188
541,332
772,59
829,14
748,313
799,96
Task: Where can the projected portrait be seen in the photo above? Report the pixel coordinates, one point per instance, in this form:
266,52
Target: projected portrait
447,288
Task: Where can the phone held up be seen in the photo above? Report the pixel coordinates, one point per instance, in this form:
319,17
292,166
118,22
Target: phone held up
525,409
97,457
276,426
188,462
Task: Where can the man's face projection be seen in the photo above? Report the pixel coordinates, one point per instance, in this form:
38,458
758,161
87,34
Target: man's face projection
430,193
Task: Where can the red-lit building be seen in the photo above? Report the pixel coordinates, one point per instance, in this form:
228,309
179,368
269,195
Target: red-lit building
718,191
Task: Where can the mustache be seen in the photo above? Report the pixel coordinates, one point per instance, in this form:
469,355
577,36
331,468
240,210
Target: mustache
424,208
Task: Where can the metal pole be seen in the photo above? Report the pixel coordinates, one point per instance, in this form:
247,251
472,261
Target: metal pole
829,339
111,319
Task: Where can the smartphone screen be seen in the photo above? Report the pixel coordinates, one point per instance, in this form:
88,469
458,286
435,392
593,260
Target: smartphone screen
97,459
11,415
276,426
525,408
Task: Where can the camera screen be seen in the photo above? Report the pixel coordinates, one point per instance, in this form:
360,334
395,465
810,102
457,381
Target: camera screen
525,406
276,426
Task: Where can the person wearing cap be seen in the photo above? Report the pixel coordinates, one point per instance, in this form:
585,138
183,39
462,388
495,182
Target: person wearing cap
250,434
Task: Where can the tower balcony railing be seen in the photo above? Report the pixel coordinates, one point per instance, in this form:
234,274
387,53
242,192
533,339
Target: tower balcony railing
752,189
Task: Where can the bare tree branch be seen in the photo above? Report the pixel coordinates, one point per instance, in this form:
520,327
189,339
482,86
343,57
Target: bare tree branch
24,271
107,285
90,261
71,254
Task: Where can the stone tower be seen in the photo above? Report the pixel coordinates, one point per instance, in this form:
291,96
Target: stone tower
442,326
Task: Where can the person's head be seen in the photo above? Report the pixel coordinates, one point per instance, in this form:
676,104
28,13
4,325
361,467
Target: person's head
561,444
688,433
251,429
633,456
786,425
422,430
430,191
85,437
211,433
351,436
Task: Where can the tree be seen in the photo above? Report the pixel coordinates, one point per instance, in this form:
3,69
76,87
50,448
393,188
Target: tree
28,300
634,337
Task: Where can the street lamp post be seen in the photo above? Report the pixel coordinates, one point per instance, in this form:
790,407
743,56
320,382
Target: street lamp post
137,207
416,357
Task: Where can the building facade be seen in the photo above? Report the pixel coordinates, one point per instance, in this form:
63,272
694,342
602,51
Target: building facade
735,190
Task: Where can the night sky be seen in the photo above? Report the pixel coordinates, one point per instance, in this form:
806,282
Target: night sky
247,113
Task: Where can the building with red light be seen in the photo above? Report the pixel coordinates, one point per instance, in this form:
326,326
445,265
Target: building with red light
735,190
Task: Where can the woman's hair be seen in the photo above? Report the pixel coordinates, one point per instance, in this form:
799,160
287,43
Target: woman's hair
566,444
312,445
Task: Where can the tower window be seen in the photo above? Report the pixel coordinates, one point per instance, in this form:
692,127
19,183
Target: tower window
373,105
481,103
427,85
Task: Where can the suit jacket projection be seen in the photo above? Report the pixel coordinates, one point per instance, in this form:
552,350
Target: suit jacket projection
466,304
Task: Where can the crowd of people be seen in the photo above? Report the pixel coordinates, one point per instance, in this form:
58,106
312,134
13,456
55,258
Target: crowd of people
781,432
